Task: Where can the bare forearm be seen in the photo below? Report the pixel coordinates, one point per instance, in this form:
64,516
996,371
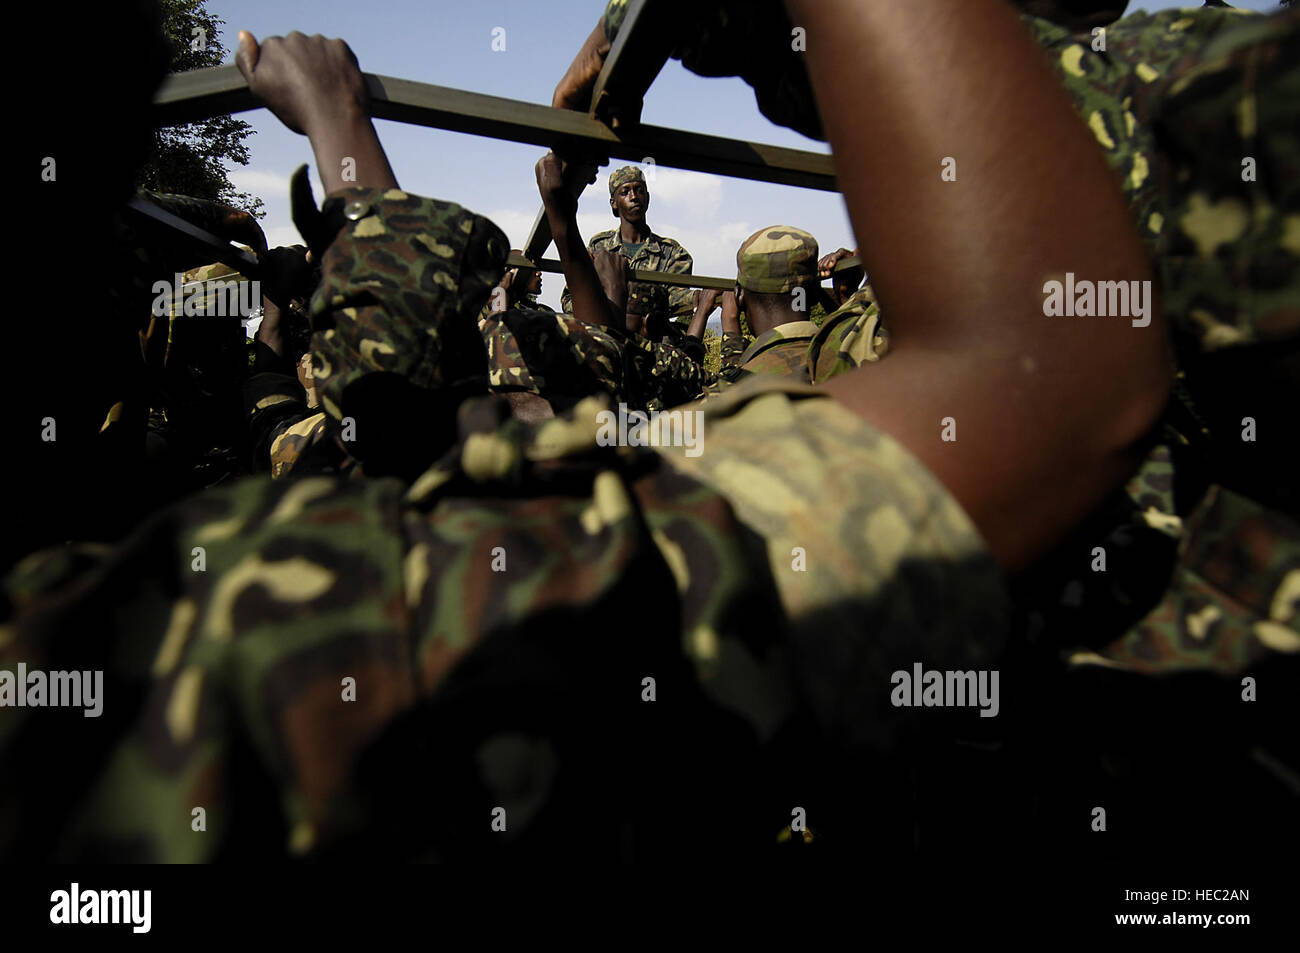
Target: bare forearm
1022,162
698,321
960,265
579,272
352,146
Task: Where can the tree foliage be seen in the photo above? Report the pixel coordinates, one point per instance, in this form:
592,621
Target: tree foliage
188,159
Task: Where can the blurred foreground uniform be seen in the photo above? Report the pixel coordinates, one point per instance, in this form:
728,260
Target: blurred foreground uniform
769,585
1198,114
495,620
1170,96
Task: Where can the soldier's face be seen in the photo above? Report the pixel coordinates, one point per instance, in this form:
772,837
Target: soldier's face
534,284
630,201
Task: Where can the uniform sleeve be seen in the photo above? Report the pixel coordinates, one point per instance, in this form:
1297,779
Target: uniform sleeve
664,375
272,403
1167,96
851,336
733,346
1231,272
876,565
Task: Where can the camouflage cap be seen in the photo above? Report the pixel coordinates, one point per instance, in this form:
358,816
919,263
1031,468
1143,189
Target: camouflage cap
629,173
394,241
776,259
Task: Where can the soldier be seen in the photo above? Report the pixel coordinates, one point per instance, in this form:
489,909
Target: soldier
852,334
629,199
520,287
352,653
776,273
657,373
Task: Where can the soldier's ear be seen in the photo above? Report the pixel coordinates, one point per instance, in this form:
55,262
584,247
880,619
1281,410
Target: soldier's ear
612,207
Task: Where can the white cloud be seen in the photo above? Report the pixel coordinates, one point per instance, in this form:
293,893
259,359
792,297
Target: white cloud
674,189
515,223
267,185
280,235
712,246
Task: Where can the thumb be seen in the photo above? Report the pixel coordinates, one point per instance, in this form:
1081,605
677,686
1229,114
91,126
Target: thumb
247,54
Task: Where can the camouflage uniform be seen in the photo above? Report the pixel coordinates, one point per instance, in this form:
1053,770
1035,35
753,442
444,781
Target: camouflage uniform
554,356
197,350
374,368
668,372
560,358
656,254
774,260
730,350
850,336
1176,101
776,580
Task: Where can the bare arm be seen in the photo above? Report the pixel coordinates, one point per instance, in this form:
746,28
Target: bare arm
553,182
314,86
1048,410
706,300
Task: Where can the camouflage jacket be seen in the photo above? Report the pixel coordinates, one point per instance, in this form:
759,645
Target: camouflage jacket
558,357
732,347
552,355
657,254
781,350
668,372
850,336
1169,98
307,661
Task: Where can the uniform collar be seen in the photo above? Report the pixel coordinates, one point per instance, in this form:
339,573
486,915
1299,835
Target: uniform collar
790,331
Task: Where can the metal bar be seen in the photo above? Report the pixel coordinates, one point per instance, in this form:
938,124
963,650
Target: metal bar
246,262
212,247
632,64
216,90
539,236
552,266
619,92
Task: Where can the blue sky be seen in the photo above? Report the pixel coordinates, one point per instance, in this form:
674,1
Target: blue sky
448,42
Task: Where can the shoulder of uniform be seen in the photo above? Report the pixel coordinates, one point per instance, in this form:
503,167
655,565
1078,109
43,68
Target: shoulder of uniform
601,237
670,242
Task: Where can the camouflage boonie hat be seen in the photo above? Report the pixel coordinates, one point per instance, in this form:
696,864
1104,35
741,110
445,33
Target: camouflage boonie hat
215,289
776,259
629,173
430,339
